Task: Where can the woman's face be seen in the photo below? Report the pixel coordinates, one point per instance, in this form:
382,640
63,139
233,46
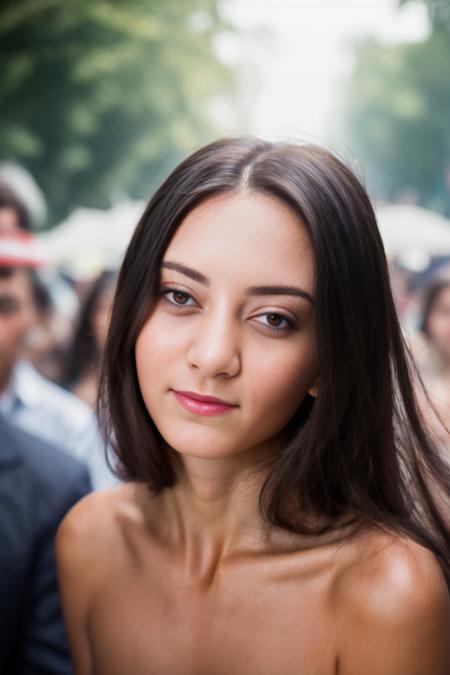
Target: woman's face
438,324
225,333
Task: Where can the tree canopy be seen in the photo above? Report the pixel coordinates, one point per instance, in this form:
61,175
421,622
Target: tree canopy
98,98
396,117
438,11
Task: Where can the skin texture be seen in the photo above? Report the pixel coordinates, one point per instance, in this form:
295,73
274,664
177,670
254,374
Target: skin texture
17,317
191,581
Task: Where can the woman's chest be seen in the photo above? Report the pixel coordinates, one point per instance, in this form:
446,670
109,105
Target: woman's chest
243,625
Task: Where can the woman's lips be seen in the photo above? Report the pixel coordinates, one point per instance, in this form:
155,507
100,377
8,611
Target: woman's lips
202,407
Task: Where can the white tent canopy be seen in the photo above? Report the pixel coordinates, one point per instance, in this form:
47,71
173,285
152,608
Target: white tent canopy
20,181
91,239
406,228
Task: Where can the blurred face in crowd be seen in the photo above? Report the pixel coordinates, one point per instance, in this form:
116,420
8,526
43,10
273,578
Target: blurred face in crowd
237,324
438,324
102,313
9,221
17,317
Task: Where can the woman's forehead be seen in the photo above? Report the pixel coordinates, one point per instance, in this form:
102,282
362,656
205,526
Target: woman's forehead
245,233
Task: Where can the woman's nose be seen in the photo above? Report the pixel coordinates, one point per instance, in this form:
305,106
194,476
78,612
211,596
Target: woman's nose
214,348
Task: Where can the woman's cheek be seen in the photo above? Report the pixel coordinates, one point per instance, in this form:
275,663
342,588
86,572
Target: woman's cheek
158,339
280,385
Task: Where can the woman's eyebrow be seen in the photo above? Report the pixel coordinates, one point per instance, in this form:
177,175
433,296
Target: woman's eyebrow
253,290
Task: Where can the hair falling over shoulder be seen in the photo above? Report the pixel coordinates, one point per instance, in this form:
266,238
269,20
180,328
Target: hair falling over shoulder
360,448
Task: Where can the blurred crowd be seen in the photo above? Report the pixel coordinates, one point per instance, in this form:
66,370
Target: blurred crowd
53,329
52,334
423,304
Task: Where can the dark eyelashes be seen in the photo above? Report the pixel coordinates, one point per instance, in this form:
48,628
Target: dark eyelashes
164,292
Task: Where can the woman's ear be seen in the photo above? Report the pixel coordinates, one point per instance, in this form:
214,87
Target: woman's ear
314,388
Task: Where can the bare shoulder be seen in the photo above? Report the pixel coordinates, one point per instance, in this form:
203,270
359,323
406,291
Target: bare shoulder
95,526
394,602
95,545
391,577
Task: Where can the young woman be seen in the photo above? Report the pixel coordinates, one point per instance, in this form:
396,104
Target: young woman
81,371
285,510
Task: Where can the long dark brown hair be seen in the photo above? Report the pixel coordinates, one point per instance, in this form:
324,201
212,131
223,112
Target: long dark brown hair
360,447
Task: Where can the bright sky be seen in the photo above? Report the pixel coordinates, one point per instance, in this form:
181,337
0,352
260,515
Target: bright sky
303,56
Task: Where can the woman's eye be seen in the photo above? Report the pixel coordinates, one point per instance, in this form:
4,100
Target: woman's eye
277,322
274,321
179,298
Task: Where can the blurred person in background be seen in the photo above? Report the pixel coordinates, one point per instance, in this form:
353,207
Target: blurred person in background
43,348
14,215
400,279
434,358
26,398
38,485
42,342
81,370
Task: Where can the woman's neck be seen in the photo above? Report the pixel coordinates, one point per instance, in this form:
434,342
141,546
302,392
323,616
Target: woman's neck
212,516
214,508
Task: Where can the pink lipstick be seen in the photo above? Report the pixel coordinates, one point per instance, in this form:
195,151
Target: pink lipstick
202,405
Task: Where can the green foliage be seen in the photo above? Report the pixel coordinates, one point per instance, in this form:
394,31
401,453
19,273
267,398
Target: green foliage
396,118
98,97
438,11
